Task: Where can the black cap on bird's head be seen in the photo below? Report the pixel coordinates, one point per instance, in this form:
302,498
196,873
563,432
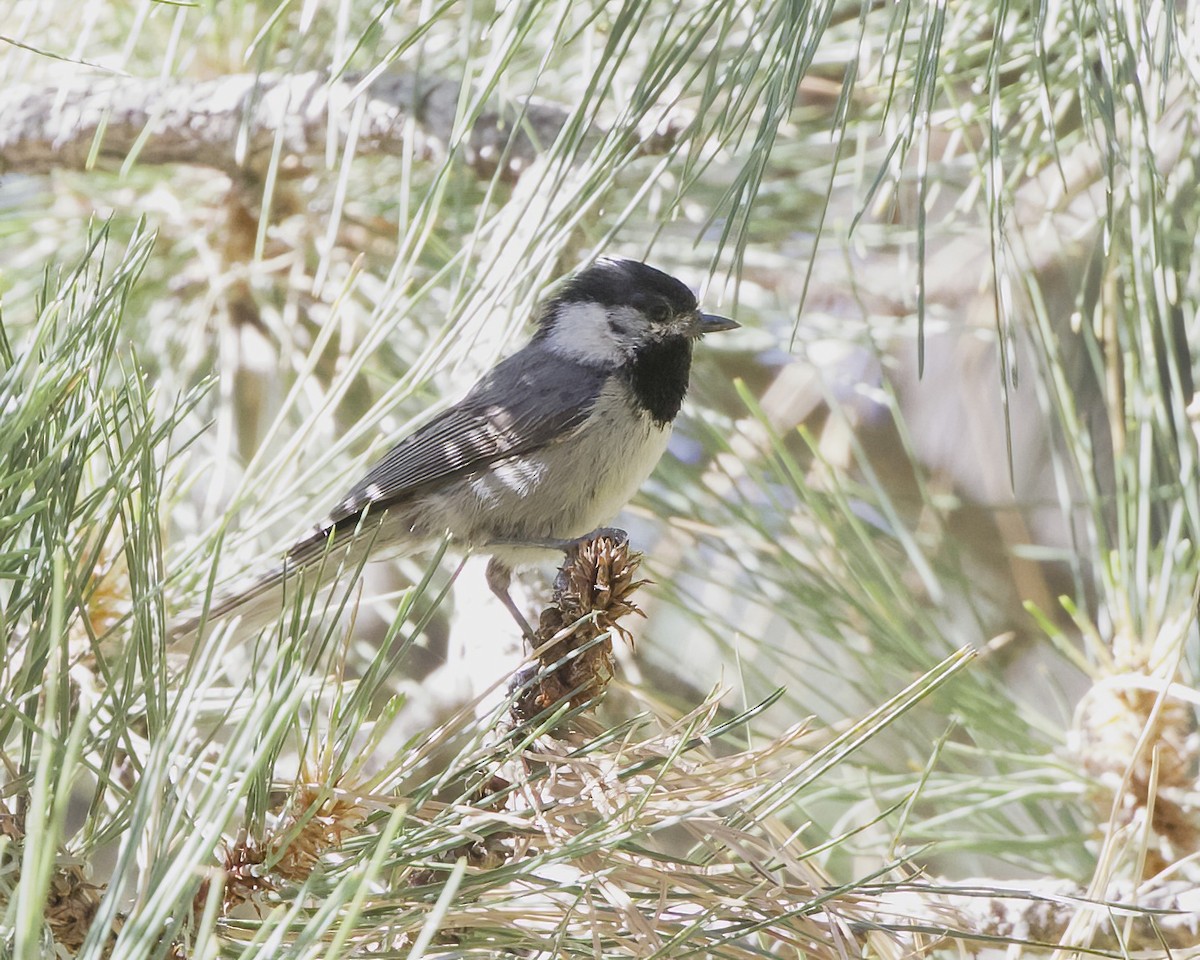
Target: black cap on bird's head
628,283
614,282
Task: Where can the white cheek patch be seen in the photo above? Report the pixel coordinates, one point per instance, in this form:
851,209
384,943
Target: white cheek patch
581,332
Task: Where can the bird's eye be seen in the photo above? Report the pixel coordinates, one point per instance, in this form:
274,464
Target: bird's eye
659,312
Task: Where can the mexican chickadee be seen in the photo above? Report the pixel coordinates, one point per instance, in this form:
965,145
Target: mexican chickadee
548,446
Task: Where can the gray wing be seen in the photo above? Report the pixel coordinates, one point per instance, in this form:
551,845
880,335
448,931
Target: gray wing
526,402
532,399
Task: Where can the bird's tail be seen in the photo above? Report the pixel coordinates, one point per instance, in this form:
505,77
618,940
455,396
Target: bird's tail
256,602
312,567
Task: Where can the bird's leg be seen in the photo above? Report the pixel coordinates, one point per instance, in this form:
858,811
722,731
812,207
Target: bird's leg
499,578
499,575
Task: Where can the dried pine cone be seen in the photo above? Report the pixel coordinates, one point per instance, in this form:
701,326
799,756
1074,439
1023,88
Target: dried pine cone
574,635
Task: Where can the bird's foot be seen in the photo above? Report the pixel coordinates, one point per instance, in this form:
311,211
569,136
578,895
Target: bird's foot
565,545
616,534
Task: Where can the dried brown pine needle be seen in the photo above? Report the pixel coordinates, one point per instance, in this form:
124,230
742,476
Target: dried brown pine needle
636,847
574,636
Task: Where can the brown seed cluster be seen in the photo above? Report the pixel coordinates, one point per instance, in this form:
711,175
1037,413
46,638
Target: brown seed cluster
484,853
574,635
71,901
287,853
1143,756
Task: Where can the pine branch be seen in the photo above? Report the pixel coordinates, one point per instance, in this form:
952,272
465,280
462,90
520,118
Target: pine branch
232,123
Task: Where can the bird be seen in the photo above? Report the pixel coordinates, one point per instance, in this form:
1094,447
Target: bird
541,452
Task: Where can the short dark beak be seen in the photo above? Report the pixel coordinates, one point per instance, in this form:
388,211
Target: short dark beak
711,323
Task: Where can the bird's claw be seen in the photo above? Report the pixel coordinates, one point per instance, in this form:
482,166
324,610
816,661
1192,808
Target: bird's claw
616,534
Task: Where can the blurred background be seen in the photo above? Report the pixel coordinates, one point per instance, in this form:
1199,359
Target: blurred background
960,240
